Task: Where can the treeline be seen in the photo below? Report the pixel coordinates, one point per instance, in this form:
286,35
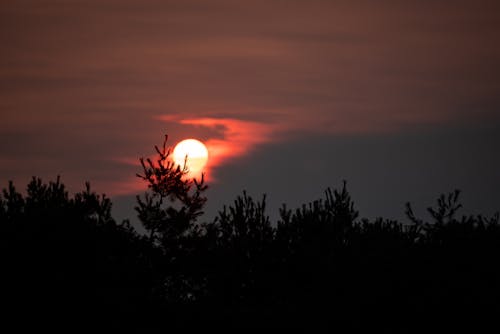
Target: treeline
66,263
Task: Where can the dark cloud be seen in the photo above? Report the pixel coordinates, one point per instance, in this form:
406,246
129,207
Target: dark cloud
82,83
383,172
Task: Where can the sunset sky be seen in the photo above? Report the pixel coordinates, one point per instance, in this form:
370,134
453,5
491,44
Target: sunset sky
399,98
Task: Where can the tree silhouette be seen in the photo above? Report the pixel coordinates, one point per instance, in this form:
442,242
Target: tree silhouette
169,212
174,202
64,257
239,239
321,225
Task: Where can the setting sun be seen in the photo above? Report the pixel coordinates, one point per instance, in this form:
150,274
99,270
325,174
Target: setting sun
196,153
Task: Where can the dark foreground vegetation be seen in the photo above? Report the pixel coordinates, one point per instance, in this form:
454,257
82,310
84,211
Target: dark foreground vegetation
67,264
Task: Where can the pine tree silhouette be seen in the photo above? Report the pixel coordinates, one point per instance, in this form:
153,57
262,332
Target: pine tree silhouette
169,212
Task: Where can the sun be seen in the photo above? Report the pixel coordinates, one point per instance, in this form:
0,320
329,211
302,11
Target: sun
196,153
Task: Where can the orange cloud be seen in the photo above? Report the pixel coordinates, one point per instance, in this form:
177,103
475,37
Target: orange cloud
225,138
237,138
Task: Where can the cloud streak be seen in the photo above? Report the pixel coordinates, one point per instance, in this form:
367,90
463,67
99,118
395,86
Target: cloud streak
82,82
236,138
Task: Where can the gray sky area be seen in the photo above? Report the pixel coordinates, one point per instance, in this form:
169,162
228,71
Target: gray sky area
399,98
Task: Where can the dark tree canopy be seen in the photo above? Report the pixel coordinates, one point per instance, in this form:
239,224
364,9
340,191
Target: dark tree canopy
68,264
66,259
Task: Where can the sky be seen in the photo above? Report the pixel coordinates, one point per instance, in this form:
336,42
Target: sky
399,98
